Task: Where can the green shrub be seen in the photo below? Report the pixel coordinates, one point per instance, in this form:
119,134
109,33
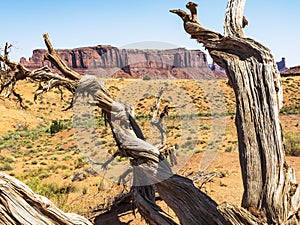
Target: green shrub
59,125
80,162
34,162
67,174
43,174
55,127
292,143
146,77
6,166
56,193
9,159
229,149
67,157
292,109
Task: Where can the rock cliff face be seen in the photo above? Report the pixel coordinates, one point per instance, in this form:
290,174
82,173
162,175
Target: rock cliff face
109,61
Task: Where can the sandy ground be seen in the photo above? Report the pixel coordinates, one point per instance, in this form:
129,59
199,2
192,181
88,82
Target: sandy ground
225,188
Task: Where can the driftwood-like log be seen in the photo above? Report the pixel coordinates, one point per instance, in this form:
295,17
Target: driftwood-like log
270,187
150,168
239,215
19,205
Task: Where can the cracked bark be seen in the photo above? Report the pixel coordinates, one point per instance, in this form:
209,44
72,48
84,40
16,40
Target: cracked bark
270,187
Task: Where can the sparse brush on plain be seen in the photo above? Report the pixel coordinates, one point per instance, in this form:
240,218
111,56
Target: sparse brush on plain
292,143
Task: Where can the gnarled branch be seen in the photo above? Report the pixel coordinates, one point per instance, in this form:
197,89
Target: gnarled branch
57,62
158,121
44,77
251,69
234,19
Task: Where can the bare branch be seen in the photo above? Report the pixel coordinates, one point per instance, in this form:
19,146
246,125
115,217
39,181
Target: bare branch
166,149
193,9
19,99
6,49
235,20
232,39
45,78
48,80
238,215
59,64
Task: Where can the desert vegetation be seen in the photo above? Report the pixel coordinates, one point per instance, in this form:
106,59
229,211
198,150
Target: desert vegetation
53,165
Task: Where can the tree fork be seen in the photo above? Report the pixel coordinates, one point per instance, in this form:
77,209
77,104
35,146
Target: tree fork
270,188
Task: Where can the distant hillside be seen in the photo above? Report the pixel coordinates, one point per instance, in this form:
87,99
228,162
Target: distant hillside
293,71
109,61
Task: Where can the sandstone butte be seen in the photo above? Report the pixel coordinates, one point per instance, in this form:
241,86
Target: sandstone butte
108,61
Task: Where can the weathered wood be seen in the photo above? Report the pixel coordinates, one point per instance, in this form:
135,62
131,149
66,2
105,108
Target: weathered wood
20,205
269,184
167,150
44,77
234,19
151,170
57,62
190,205
239,215
149,166
157,120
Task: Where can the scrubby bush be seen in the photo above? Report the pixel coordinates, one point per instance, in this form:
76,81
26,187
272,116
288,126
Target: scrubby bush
6,166
146,78
59,125
292,144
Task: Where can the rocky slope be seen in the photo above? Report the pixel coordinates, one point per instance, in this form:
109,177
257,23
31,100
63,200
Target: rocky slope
109,61
293,71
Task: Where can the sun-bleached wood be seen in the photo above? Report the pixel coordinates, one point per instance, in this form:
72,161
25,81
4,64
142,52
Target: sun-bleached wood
151,170
20,205
270,188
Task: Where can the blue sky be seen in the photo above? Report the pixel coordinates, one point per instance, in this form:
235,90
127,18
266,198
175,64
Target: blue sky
77,23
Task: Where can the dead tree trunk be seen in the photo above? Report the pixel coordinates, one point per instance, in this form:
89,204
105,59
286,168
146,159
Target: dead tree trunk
151,170
270,188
